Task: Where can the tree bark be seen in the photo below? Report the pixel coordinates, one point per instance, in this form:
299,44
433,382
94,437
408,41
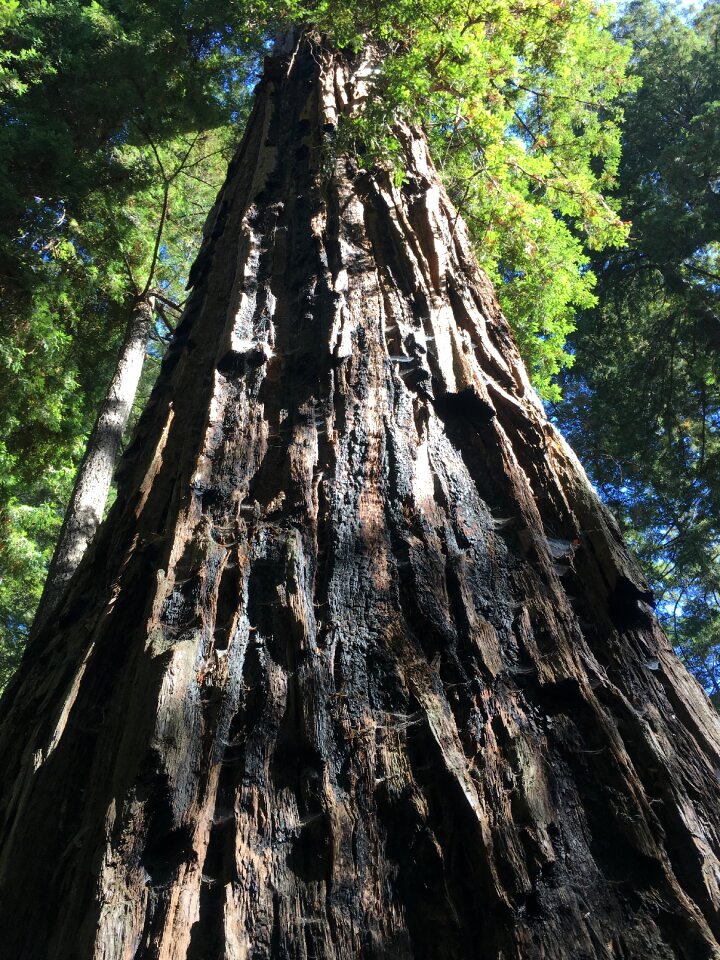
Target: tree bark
358,666
92,484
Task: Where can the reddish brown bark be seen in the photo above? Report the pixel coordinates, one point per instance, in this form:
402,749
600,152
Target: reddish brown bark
358,666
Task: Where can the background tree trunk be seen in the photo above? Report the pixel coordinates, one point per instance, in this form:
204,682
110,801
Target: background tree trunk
358,666
92,485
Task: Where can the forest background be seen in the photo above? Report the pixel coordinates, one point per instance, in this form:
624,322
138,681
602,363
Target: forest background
580,143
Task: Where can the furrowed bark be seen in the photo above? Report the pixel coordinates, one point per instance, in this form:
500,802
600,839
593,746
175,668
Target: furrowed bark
358,666
92,484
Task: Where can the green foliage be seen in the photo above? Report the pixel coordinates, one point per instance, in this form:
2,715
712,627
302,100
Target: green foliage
27,537
101,216
519,102
57,368
642,404
117,121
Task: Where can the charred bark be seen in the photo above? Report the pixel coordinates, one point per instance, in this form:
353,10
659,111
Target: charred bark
358,666
92,484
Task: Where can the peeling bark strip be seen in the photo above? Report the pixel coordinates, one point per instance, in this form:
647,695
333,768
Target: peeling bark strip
92,485
359,666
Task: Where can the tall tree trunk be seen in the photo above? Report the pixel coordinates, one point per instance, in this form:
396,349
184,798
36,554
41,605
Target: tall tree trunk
358,666
92,484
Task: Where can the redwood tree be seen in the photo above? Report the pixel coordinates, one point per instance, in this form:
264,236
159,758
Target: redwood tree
358,666
94,478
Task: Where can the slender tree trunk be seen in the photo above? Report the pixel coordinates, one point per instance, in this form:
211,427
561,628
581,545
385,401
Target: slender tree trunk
358,667
92,485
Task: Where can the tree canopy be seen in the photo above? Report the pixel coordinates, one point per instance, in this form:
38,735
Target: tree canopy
641,402
119,118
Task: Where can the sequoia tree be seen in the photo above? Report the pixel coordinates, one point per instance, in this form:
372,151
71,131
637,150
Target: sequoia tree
358,665
92,485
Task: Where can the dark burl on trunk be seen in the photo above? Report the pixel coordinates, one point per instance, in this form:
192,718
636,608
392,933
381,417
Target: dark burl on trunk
358,667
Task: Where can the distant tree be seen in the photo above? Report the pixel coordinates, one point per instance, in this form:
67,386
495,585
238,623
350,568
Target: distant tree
642,401
104,189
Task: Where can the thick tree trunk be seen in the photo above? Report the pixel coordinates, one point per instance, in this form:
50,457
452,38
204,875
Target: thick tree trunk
358,666
92,485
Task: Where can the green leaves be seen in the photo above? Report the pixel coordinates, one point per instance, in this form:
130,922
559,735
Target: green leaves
111,155
118,120
519,103
517,96
642,403
28,530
